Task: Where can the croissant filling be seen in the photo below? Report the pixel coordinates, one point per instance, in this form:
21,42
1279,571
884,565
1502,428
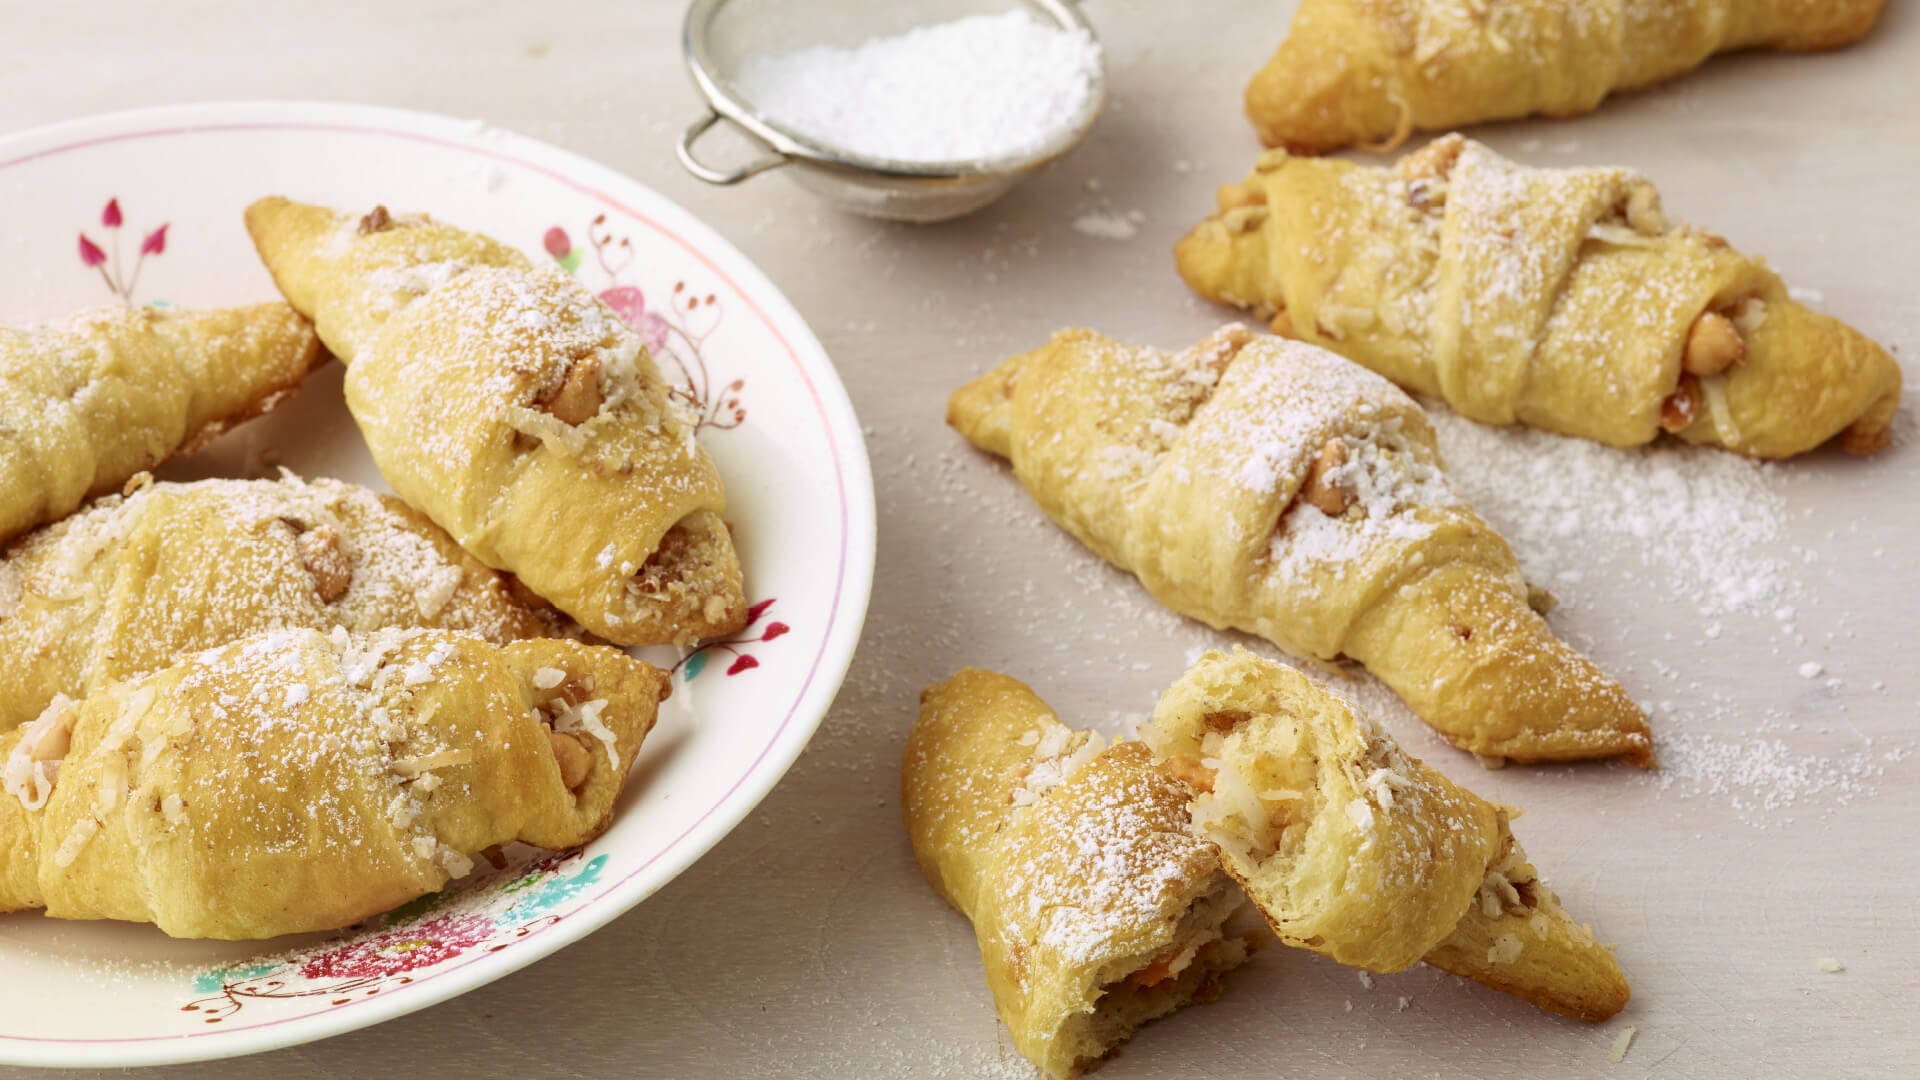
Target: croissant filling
688,578
570,715
1251,809
1140,989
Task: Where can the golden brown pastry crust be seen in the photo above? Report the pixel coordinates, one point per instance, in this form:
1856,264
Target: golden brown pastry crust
519,413
1355,850
1074,864
87,403
132,583
297,781
1558,298
1356,72
1205,473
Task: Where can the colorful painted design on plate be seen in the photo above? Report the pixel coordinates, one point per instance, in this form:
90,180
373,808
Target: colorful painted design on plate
676,331
487,913
691,665
120,279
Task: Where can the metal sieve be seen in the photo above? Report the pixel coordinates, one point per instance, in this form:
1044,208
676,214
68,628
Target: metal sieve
720,34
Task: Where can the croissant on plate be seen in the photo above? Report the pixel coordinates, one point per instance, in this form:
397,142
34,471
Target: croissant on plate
1273,487
1096,908
1357,851
520,413
299,781
1371,71
87,403
132,583
1558,298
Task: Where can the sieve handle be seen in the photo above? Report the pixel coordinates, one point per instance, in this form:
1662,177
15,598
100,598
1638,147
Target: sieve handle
773,159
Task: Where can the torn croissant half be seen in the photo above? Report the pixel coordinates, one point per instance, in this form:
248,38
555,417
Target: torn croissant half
1275,488
1096,908
300,781
88,402
1563,299
1357,851
134,582
1370,72
520,413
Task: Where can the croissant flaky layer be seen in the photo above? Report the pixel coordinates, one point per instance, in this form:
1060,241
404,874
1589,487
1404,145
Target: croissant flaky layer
1273,487
520,413
132,583
87,403
1370,71
1355,850
1096,908
1558,298
300,781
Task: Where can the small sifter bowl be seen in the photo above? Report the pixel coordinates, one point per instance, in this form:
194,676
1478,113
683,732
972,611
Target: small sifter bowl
721,34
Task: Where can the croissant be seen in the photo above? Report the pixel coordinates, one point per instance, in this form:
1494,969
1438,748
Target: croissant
133,583
86,404
1272,487
300,781
520,413
1096,909
1357,851
1371,71
1557,298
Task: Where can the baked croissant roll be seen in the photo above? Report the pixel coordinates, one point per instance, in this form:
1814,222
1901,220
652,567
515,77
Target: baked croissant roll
301,781
1357,851
86,404
1371,71
133,583
1272,487
520,413
1558,298
1096,909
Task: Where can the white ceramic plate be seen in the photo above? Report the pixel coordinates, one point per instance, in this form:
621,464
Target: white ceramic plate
145,207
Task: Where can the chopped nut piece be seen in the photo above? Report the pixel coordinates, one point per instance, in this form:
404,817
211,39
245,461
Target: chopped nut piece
325,557
376,220
1713,345
1270,160
1235,195
1643,211
1540,599
574,760
1190,772
1679,410
1242,219
1282,324
577,399
1330,496
1435,160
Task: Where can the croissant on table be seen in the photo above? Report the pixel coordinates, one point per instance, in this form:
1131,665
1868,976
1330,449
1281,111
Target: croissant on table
1096,908
1371,71
1357,851
1275,488
87,403
132,583
299,781
520,413
1558,298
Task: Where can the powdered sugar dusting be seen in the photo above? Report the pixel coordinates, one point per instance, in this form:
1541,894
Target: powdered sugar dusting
1697,520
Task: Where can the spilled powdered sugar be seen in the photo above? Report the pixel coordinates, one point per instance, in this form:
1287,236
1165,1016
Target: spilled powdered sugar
1696,519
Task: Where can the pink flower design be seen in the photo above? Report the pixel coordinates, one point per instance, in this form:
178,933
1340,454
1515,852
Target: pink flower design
119,278
631,305
407,948
557,242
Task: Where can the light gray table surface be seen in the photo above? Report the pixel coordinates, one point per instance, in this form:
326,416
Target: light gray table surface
806,944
